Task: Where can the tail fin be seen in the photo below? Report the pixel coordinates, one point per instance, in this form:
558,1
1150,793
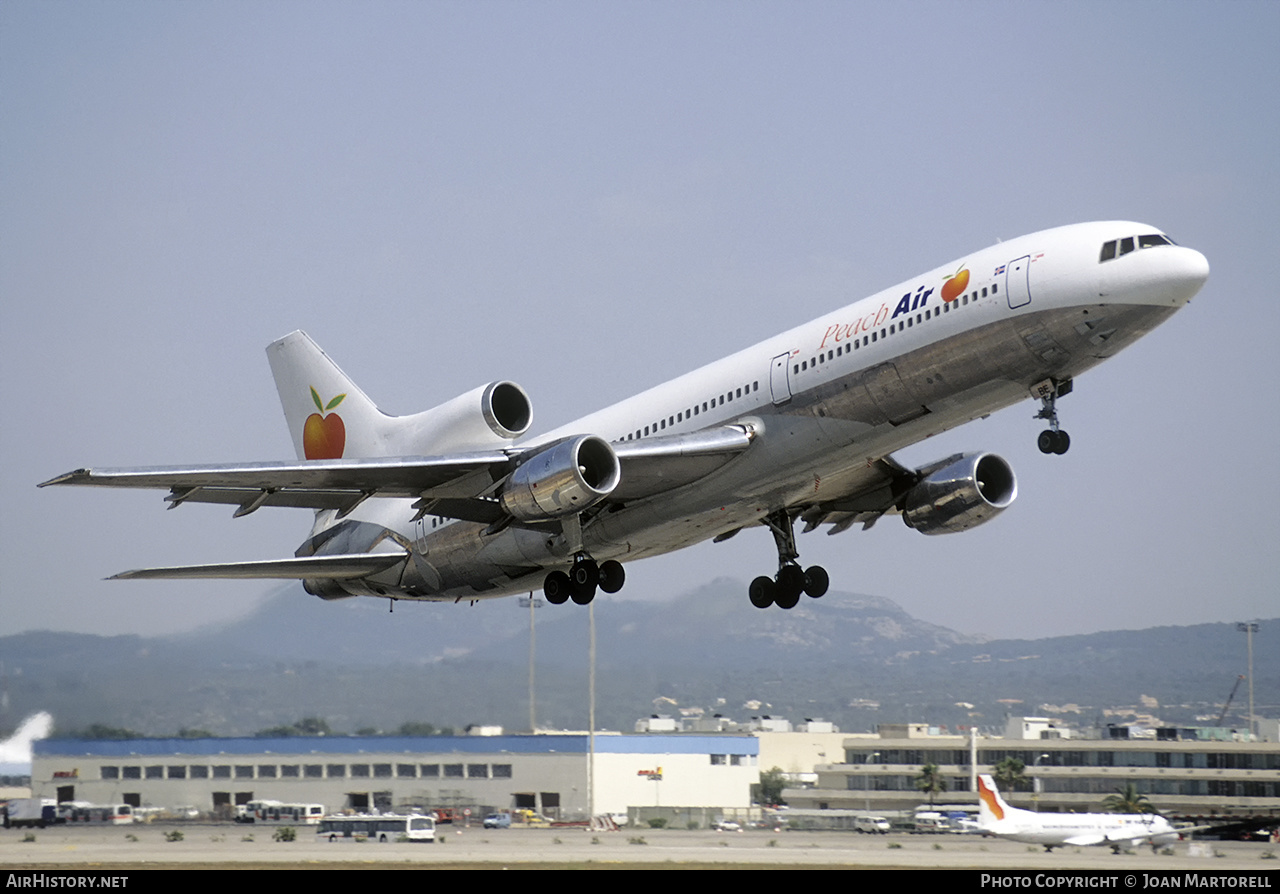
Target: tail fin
329,417
991,807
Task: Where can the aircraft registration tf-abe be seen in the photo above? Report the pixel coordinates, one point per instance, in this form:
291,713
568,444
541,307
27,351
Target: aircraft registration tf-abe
455,503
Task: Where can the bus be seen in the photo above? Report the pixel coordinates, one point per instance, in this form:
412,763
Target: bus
268,811
388,827
84,812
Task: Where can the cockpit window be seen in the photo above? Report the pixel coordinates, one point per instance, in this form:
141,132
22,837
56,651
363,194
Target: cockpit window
1126,245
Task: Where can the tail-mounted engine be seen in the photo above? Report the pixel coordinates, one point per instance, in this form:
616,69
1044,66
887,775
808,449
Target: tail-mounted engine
487,416
562,479
964,491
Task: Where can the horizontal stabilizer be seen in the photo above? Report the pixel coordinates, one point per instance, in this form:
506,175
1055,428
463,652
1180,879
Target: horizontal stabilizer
336,567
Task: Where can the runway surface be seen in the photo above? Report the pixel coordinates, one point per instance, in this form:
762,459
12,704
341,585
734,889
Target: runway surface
242,846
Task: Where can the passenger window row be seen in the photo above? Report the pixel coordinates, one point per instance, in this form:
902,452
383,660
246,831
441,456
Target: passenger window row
696,410
907,322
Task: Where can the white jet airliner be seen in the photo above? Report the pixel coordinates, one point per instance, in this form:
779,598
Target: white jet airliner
454,503
1116,830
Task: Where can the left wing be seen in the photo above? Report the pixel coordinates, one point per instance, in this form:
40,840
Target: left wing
457,486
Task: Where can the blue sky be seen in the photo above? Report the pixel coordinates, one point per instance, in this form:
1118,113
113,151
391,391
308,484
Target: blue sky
589,198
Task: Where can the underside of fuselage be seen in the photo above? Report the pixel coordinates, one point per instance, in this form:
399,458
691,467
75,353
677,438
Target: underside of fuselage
824,437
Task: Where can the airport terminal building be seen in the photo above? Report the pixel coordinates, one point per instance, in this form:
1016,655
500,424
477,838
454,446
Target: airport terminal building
551,774
1192,772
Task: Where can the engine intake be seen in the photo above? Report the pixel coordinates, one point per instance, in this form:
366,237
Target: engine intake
965,491
561,479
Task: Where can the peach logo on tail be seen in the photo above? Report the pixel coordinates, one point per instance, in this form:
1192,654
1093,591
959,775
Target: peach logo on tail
988,797
955,285
324,436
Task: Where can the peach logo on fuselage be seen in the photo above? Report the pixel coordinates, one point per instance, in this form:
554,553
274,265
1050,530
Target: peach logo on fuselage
955,284
324,436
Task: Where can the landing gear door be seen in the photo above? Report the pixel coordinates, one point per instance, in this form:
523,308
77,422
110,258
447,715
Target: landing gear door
780,379
1017,282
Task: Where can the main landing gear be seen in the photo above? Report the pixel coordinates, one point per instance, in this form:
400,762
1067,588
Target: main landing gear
1053,439
784,589
582,580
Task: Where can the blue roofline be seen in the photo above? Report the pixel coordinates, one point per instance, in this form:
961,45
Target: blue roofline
648,743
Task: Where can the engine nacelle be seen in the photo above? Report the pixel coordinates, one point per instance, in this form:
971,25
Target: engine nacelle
964,492
561,479
489,416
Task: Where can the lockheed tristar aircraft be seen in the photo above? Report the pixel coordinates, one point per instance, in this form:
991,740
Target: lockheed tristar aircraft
1116,830
456,503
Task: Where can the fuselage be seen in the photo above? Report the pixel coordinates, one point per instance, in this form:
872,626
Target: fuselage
827,398
1058,829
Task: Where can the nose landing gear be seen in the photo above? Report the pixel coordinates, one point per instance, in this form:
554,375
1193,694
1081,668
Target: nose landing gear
1053,439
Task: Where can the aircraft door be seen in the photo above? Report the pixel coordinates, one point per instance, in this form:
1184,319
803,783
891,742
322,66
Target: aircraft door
780,379
1017,282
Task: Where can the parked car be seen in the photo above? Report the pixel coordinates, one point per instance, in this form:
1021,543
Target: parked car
498,821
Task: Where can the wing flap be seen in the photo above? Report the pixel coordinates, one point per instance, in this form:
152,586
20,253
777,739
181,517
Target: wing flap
336,567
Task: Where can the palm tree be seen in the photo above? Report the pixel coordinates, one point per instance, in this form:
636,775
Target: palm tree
931,781
1010,774
1127,800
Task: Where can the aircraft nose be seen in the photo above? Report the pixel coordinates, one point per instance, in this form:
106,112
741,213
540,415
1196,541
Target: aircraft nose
1186,272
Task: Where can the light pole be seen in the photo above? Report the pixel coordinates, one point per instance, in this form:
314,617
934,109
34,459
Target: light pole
1249,630
1035,780
866,779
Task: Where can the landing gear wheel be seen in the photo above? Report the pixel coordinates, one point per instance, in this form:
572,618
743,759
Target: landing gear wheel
1063,442
761,592
816,581
583,578
556,588
1047,441
612,576
786,599
790,585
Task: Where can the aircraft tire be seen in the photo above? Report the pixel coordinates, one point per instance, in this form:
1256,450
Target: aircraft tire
582,594
786,599
761,592
612,576
1062,442
816,581
1047,441
556,588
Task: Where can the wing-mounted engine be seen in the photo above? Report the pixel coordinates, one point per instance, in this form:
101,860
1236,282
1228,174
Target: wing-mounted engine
561,479
489,416
959,493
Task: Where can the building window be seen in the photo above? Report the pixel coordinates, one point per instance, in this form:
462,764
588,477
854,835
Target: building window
717,760
199,771
477,771
336,771
453,771
178,772
155,772
382,771
501,771
289,771
110,772
430,771
266,771
222,771
244,771
359,771
407,771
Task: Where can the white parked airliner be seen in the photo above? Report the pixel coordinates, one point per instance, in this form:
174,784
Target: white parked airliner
456,503
1116,830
